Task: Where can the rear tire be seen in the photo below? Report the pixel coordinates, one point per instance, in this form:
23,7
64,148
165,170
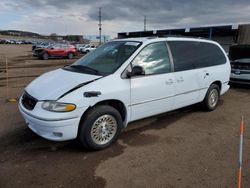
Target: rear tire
212,97
100,127
70,55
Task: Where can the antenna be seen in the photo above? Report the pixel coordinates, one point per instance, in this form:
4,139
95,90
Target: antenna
100,26
145,22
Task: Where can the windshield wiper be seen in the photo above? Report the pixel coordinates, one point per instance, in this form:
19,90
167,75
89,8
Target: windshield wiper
85,68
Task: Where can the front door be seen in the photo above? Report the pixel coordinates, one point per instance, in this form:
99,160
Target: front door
57,50
153,92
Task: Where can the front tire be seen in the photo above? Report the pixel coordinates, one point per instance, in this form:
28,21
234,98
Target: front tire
100,127
45,56
212,97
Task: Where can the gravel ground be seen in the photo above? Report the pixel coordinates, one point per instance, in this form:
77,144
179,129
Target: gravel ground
184,148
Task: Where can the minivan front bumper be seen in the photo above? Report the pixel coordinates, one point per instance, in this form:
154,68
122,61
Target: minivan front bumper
56,129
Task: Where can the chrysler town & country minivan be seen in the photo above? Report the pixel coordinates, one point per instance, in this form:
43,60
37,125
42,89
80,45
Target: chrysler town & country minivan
122,81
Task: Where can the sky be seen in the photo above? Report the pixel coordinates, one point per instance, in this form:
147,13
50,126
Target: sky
81,16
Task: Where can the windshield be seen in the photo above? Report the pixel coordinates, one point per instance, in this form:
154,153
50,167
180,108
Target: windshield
106,59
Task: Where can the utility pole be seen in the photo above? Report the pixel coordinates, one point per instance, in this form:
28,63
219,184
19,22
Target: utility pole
145,23
100,26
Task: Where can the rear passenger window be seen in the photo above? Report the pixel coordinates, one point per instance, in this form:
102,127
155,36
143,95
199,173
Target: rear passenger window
190,55
154,59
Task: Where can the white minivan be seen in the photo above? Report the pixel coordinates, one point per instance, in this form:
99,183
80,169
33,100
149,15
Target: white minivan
123,81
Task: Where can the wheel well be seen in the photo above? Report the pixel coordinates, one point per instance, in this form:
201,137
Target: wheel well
218,83
118,105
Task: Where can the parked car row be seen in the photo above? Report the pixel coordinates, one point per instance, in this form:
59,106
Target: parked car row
15,41
43,44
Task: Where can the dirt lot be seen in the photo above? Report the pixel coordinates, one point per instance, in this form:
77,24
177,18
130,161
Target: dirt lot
185,148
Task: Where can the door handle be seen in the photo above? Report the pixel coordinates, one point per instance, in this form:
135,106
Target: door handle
169,81
180,79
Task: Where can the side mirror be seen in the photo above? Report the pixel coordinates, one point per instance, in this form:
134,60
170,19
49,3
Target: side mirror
136,71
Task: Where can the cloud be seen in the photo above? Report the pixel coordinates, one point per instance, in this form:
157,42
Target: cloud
81,16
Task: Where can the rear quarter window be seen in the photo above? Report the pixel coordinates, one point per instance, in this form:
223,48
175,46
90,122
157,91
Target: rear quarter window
191,55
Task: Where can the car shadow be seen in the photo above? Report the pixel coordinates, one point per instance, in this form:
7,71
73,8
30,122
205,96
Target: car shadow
133,134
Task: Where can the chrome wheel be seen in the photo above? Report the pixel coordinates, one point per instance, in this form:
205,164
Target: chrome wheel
103,129
213,98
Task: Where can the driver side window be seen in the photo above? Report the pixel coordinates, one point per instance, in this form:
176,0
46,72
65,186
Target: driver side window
154,59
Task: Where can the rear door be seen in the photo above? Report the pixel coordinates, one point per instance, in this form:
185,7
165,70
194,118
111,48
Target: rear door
197,64
153,92
189,80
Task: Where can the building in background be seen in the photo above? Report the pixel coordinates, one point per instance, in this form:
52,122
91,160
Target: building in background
226,35
243,34
94,39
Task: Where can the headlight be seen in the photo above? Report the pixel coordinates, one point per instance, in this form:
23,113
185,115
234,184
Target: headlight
58,107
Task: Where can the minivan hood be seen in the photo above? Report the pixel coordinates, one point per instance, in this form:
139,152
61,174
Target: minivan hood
52,85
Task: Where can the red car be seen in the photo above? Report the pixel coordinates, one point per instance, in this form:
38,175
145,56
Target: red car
55,51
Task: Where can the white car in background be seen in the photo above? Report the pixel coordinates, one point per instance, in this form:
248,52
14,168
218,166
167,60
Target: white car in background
79,47
88,48
123,81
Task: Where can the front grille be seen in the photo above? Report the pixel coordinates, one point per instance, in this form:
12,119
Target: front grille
28,101
37,52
